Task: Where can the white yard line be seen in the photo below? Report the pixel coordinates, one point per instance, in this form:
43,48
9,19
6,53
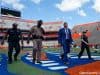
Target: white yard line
50,64
58,67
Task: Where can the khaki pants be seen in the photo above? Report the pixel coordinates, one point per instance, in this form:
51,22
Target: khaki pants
37,46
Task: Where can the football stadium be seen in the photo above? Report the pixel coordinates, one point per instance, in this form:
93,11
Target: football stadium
51,51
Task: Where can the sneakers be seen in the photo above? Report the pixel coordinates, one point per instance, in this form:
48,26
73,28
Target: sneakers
78,56
66,63
9,62
90,58
15,59
36,62
39,62
62,57
33,61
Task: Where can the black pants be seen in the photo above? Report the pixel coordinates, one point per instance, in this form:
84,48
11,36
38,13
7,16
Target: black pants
11,46
83,47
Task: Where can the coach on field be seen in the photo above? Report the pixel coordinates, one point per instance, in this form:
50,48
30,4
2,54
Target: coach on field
14,35
65,40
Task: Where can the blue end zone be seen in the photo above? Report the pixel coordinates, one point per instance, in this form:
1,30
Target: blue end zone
57,65
39,66
54,63
3,65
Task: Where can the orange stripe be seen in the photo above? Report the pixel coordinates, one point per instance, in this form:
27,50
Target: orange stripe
91,68
43,56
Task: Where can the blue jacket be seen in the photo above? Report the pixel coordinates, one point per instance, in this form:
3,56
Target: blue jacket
62,36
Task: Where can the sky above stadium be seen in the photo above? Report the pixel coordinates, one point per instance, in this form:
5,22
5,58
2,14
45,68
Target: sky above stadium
72,11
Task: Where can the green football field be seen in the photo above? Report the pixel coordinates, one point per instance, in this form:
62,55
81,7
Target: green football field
20,68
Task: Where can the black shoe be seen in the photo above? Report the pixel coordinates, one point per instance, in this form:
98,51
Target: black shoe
91,58
78,56
66,63
39,62
15,58
9,62
33,61
62,57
